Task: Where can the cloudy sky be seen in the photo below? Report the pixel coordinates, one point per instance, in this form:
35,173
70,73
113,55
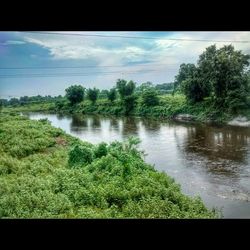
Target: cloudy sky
46,63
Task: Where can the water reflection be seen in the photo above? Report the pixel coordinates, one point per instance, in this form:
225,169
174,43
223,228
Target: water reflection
95,122
78,123
114,123
222,150
129,127
150,124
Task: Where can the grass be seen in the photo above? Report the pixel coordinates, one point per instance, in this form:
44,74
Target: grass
43,174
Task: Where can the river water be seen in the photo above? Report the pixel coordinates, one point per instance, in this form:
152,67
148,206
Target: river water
210,161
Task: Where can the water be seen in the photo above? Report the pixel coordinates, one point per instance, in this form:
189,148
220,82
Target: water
210,161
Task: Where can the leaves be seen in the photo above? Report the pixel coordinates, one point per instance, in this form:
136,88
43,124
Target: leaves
115,182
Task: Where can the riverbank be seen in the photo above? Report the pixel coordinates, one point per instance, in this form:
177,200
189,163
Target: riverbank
169,108
45,173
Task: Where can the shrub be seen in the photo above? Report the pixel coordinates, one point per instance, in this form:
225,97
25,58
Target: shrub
101,150
80,155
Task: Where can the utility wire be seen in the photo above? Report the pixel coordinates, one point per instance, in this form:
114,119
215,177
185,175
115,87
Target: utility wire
138,37
88,66
71,74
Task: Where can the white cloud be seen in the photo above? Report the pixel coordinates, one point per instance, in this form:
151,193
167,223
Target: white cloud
118,51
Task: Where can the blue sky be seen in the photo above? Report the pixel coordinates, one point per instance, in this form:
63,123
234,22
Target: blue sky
156,60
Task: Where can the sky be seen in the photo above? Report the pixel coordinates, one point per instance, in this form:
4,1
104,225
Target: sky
46,63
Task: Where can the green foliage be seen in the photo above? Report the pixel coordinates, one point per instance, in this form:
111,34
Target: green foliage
224,69
144,86
221,74
117,185
125,88
111,94
189,81
101,150
186,71
150,98
14,101
80,155
129,103
165,88
92,94
75,93
22,140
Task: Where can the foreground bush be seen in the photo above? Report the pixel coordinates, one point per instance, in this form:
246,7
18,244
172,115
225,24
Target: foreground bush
111,181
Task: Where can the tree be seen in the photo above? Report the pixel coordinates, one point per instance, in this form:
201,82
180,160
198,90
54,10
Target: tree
144,86
165,88
103,94
150,97
93,94
111,94
190,82
14,101
75,94
186,71
3,102
129,103
224,70
24,100
126,91
125,88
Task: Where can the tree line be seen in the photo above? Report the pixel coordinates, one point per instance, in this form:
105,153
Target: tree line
220,78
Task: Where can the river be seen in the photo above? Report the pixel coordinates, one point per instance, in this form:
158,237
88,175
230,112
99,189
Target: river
206,160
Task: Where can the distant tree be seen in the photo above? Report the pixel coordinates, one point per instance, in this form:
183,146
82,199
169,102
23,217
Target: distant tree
126,92
75,93
93,94
103,94
150,97
24,100
111,94
165,88
3,102
13,101
125,88
144,86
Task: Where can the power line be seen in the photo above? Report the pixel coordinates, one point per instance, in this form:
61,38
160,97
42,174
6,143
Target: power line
71,74
82,67
139,37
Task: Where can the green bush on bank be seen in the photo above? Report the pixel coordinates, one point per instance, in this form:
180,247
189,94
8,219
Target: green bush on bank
112,180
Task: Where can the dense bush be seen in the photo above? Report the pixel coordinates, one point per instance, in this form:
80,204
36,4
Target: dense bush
80,155
101,150
115,182
150,98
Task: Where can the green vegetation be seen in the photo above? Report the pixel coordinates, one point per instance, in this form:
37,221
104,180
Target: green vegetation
75,94
93,94
150,98
111,95
45,173
221,75
216,89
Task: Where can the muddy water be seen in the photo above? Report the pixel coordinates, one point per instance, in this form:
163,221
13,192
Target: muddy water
210,161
